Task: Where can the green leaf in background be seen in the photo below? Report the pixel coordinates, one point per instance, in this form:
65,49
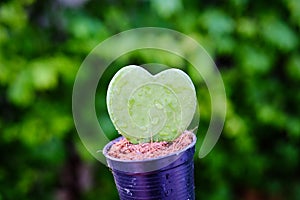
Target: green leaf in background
21,91
279,34
294,8
166,8
254,61
247,27
44,76
13,15
217,22
293,67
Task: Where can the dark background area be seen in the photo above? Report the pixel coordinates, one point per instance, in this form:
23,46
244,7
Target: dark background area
255,45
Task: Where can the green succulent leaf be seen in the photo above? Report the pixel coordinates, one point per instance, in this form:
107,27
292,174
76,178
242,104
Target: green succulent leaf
145,107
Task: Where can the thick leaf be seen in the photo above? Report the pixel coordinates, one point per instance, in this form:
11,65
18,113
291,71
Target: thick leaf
144,107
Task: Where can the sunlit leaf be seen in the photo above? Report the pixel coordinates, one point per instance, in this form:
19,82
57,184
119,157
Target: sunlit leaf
294,8
166,8
247,27
13,15
279,34
21,91
254,60
44,76
217,22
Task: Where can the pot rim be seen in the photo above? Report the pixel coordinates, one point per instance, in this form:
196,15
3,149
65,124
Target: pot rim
146,164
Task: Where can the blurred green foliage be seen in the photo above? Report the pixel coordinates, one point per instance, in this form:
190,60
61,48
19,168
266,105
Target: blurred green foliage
255,45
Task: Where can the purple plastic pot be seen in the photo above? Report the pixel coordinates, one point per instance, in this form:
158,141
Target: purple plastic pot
168,177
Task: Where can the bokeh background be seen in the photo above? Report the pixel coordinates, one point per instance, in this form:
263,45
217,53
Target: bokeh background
255,45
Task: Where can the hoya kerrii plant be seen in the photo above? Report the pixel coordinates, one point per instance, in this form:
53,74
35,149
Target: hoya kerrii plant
151,108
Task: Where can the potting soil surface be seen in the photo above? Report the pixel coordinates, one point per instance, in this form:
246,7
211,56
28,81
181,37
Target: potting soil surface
125,150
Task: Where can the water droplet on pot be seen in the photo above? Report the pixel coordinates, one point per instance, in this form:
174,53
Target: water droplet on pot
133,181
166,191
128,191
167,176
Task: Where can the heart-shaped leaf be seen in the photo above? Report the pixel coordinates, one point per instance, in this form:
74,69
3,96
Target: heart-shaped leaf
145,107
